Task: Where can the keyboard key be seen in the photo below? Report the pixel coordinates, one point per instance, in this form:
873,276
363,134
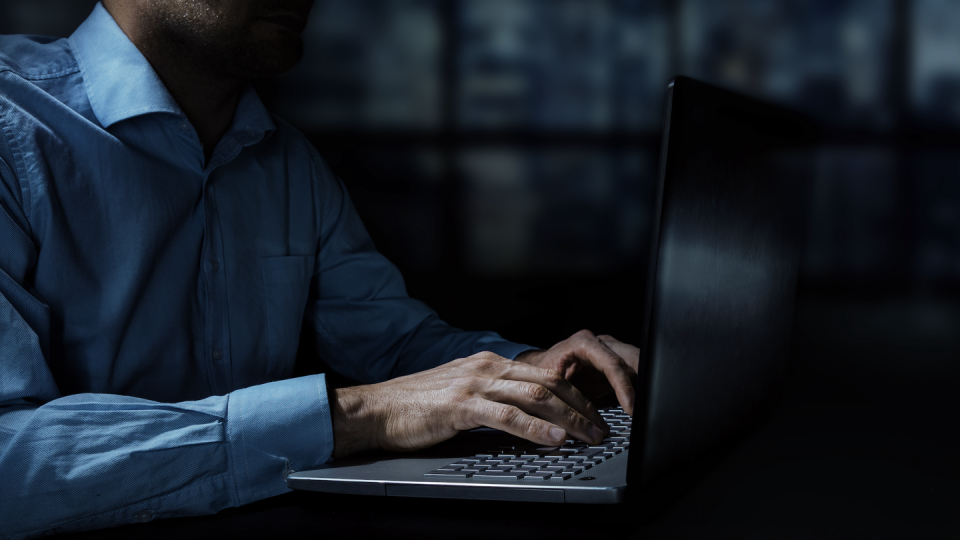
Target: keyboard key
448,474
500,474
557,468
538,476
575,470
588,452
562,476
484,456
450,469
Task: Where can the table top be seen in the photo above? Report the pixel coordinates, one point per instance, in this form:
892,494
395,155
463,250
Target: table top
825,470
863,444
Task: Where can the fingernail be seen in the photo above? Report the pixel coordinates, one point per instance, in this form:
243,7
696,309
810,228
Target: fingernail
558,434
595,433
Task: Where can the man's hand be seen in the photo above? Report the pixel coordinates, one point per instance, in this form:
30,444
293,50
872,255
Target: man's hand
420,410
596,365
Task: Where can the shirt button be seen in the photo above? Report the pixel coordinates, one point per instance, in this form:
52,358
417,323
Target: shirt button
145,516
214,265
217,353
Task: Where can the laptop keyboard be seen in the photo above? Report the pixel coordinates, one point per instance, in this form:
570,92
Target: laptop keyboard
535,463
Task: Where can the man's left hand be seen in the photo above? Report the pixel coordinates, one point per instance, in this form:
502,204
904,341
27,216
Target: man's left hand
596,365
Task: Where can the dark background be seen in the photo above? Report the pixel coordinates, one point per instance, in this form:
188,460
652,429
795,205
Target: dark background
503,154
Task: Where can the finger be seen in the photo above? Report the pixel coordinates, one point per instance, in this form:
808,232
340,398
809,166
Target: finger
616,370
607,338
536,399
558,385
629,353
514,421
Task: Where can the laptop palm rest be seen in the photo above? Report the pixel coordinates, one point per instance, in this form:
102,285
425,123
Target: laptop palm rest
395,474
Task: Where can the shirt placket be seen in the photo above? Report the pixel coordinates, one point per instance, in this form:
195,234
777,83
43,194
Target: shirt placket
217,327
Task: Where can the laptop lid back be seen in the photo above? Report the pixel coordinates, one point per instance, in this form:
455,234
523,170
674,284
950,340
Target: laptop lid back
725,256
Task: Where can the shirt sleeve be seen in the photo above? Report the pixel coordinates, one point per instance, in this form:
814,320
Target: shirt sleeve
367,327
90,461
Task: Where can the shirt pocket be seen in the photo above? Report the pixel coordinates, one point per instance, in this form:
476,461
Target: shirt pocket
286,286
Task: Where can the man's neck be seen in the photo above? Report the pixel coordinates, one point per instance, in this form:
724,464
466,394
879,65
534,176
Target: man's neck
208,100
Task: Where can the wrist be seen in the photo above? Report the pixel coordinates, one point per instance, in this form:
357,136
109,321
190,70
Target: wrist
354,424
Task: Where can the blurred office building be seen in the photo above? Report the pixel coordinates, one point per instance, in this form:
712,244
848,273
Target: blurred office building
508,141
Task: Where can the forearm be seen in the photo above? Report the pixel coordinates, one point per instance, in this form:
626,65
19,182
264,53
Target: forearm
376,340
90,460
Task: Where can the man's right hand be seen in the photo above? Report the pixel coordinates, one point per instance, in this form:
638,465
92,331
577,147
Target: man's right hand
423,409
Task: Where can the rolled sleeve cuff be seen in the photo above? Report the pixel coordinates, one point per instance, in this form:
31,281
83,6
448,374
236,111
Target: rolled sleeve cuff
274,429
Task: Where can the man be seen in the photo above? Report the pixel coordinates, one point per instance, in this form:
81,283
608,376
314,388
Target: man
162,242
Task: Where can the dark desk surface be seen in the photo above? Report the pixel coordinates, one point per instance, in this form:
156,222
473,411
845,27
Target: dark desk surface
851,452
825,471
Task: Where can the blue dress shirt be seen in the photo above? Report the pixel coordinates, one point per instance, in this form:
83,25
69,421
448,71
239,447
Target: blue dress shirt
151,303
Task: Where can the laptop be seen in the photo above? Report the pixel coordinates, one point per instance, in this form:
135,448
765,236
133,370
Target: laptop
725,252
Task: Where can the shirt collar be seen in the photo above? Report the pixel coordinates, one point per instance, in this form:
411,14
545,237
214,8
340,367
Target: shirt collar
121,84
252,117
119,81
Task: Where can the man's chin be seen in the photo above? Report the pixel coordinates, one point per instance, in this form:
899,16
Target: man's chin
272,57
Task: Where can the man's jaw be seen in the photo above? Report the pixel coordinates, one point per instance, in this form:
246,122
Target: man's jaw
286,20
